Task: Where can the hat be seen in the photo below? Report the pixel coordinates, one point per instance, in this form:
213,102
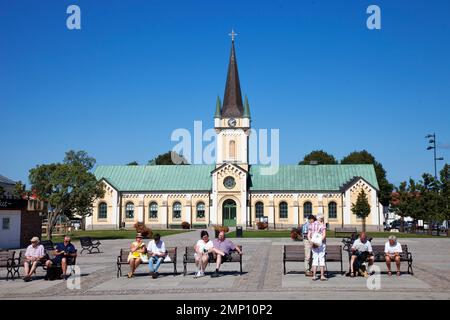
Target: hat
139,235
34,239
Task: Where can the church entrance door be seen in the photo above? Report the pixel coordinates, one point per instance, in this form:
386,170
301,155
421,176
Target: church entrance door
229,213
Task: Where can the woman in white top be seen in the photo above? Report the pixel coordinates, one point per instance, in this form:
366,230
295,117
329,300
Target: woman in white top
203,249
392,250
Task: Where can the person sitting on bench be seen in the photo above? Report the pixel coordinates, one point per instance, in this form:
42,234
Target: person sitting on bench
137,249
65,252
361,252
156,251
392,250
226,246
204,253
34,254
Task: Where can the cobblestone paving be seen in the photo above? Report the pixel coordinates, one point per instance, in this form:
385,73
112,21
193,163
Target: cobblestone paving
262,277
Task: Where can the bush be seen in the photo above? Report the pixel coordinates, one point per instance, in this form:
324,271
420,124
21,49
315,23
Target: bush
185,225
143,229
262,225
220,228
296,234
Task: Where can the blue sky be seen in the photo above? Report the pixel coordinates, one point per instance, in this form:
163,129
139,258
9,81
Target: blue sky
137,70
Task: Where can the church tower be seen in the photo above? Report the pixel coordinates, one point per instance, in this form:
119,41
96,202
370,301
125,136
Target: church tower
232,119
230,177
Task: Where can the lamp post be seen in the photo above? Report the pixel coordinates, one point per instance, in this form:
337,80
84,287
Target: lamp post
432,146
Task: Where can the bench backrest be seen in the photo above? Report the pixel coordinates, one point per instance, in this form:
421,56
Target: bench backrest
86,241
6,258
48,245
345,230
334,253
171,251
190,251
296,252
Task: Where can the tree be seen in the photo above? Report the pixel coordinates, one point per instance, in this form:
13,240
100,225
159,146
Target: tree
320,156
79,158
19,190
364,157
445,191
168,158
361,208
405,202
69,187
133,163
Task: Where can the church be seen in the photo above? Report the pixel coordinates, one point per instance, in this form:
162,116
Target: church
233,192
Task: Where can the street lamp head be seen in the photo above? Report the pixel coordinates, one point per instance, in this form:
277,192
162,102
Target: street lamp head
431,141
428,136
430,147
440,159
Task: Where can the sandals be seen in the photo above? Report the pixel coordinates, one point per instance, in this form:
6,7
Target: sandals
389,273
398,273
323,279
130,275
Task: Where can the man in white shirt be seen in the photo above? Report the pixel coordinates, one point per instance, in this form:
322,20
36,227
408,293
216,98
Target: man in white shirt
33,256
157,252
361,251
392,250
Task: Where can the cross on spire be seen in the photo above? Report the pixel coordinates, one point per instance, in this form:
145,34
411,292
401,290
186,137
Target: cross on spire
232,35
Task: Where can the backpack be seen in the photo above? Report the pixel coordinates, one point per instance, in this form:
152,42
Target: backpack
53,273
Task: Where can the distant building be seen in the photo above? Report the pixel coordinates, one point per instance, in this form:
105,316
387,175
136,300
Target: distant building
233,192
20,220
7,185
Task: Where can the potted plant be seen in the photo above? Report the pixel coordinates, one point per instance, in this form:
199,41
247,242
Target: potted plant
185,225
143,229
262,225
219,228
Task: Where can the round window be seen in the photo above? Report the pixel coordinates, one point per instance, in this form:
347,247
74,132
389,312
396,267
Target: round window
229,182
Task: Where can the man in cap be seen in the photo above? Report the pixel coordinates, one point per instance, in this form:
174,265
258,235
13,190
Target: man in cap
33,256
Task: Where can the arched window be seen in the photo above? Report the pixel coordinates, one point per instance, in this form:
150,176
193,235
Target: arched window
307,209
232,149
129,211
332,210
176,213
259,209
102,210
153,210
283,210
200,210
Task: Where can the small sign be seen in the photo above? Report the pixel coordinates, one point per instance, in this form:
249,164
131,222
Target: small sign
12,204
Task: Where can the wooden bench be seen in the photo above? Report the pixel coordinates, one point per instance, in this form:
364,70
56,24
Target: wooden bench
89,244
293,253
122,258
19,261
188,257
333,253
7,261
48,245
296,253
405,256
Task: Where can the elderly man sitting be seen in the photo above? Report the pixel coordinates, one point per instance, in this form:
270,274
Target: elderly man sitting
33,256
392,250
361,252
226,246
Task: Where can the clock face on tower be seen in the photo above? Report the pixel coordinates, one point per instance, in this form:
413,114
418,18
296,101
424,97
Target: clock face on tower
232,122
229,182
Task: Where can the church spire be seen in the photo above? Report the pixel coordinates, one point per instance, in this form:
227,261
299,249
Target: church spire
232,100
218,107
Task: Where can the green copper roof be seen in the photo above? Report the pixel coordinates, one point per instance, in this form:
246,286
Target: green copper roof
198,177
157,177
246,108
310,177
218,107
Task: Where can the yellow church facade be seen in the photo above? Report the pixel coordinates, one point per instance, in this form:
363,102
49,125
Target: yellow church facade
233,192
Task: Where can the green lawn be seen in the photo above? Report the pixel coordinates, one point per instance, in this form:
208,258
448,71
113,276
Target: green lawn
330,234
113,234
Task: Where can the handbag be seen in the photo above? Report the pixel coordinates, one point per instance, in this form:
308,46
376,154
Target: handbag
167,259
144,257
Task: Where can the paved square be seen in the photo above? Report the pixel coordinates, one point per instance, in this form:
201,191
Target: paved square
262,277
